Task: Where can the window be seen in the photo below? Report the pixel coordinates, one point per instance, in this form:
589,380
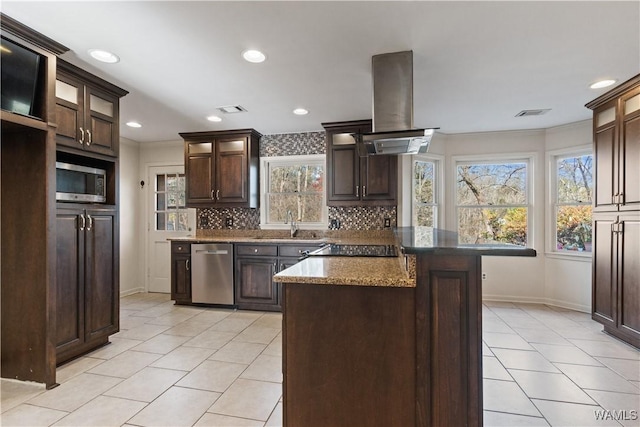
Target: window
295,184
492,202
573,196
170,211
425,194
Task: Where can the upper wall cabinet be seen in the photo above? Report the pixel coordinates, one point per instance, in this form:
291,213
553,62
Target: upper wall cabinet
355,180
616,126
87,111
222,168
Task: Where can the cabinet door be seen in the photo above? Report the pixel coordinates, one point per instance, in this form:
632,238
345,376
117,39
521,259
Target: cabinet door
69,279
181,278
629,276
101,120
604,263
101,274
630,152
70,111
379,178
199,173
343,170
606,158
255,288
231,171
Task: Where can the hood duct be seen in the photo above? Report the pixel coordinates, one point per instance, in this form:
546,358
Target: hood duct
393,131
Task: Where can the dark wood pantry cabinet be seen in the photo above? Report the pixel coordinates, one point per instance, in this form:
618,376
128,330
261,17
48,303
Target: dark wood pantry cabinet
616,212
222,168
87,297
355,180
87,110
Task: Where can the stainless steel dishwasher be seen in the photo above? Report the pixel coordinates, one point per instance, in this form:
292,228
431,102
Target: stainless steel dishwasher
212,273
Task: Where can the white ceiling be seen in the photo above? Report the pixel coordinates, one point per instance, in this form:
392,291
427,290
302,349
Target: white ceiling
476,64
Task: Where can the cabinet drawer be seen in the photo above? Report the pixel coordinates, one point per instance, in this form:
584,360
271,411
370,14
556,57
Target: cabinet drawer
296,250
181,248
257,250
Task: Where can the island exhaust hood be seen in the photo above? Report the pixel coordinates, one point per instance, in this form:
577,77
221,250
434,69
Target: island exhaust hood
393,131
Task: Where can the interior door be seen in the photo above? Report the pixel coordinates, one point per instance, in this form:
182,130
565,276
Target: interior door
167,218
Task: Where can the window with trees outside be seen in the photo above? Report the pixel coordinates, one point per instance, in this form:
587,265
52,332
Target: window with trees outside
574,191
492,202
295,184
425,198
170,211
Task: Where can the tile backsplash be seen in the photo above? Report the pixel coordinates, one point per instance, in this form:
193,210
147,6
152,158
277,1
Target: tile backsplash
290,144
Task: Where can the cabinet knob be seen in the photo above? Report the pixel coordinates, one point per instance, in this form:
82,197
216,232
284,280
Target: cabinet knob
255,250
179,248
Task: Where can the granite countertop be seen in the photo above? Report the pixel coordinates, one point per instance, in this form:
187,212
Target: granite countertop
352,271
428,240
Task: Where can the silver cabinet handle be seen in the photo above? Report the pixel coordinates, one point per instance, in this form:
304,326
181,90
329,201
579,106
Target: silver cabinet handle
217,194
364,191
89,135
621,199
82,222
81,137
357,191
212,198
186,264
275,266
90,219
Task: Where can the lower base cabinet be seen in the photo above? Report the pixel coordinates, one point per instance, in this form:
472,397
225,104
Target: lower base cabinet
87,296
181,272
255,267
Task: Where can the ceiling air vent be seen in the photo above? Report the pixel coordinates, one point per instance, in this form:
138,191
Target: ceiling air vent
527,113
230,109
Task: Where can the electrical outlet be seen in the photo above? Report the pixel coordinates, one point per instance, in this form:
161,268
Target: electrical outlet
229,222
387,222
334,224
484,276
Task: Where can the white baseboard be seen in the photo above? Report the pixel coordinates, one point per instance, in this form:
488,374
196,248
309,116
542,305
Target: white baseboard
131,292
533,300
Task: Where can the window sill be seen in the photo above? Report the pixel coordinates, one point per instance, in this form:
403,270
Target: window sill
579,257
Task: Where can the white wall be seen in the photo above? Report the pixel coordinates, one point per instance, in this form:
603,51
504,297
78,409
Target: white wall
130,244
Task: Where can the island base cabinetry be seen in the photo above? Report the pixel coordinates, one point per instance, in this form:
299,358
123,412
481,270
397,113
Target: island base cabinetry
386,356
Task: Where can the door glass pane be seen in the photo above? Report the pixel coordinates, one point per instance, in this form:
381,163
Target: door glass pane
231,146
171,213
200,147
632,104
67,92
343,139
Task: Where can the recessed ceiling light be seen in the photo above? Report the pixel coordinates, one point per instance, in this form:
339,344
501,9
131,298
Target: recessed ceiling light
300,111
214,119
254,56
104,56
602,83
231,109
134,125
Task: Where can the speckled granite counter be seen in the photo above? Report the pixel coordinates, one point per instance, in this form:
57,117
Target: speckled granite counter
354,271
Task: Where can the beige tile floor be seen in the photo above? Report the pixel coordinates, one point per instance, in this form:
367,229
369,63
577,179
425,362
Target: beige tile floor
182,366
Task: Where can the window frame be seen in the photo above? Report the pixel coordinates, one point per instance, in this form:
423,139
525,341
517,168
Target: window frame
438,187
525,157
552,202
266,164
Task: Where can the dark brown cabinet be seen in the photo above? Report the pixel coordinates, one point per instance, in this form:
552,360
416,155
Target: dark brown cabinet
181,272
87,111
87,296
221,168
616,217
355,180
255,267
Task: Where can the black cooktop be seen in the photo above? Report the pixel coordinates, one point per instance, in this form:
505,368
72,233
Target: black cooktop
335,249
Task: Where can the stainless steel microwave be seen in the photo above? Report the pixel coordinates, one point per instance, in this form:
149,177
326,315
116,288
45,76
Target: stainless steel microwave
76,183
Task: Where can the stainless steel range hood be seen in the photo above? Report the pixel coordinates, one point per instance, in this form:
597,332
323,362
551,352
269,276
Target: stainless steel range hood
393,131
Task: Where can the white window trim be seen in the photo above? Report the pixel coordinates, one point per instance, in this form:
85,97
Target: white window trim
264,182
526,157
439,187
550,217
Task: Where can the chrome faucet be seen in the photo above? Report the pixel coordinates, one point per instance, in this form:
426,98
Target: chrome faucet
294,226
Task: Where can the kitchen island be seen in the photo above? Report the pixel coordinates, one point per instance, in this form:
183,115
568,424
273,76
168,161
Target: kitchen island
387,345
